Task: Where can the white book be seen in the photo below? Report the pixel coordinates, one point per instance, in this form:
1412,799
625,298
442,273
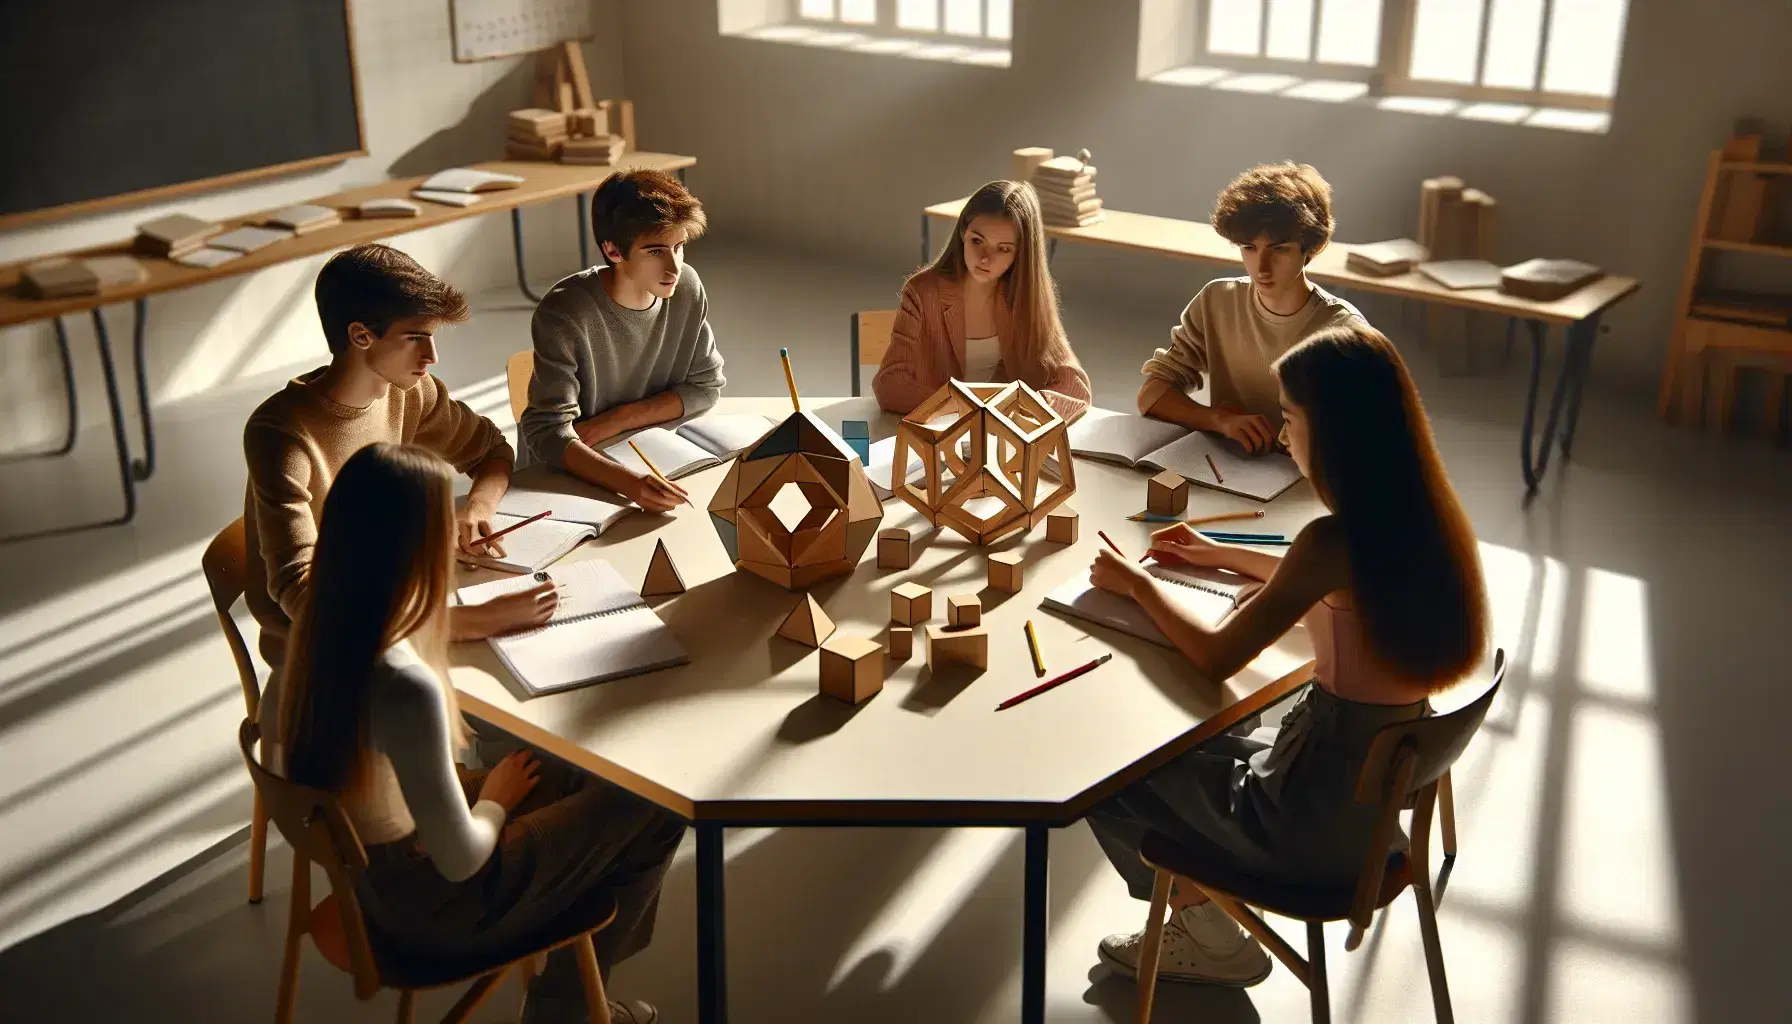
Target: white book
1207,594
601,630
302,216
723,434
539,489
207,257
249,238
445,198
1155,445
392,207
1459,275
467,179
673,454
536,546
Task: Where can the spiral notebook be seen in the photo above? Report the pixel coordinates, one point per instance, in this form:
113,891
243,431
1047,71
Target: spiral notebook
1208,594
601,631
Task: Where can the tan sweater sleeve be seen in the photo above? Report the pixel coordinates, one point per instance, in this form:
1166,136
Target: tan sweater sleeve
281,478
457,433
1184,363
910,365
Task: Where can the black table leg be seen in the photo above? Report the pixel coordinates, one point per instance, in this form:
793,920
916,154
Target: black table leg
1580,347
142,469
1051,249
516,241
926,239
712,964
582,225
1032,953
1535,465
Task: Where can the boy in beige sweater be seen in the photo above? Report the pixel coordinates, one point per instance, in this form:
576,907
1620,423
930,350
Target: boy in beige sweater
1280,217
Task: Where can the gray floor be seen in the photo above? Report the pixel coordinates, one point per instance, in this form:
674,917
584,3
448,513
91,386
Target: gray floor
1622,814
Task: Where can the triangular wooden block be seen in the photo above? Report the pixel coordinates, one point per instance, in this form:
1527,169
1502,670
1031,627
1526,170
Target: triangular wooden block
807,624
662,576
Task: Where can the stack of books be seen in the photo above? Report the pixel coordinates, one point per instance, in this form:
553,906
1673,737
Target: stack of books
392,207
1386,259
304,218
174,236
535,134
601,149
1066,187
61,277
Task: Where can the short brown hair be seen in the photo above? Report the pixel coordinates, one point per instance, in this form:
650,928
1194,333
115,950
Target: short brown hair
373,285
633,203
1289,202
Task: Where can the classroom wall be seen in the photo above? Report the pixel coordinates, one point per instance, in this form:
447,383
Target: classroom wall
420,111
837,152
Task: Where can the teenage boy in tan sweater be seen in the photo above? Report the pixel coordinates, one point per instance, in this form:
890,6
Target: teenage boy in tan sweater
1280,217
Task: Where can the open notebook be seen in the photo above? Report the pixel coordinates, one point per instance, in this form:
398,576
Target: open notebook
693,447
539,489
602,630
1208,594
1153,444
536,546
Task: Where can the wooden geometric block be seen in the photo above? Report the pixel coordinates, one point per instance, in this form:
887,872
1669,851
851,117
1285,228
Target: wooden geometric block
901,644
852,668
1166,494
662,576
807,624
967,646
893,548
910,603
1060,526
1005,571
964,610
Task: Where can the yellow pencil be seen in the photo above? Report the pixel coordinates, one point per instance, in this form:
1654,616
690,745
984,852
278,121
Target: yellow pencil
1033,645
655,470
790,379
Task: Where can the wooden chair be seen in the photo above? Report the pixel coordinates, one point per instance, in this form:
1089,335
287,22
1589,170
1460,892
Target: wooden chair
517,371
318,830
224,563
870,339
1403,768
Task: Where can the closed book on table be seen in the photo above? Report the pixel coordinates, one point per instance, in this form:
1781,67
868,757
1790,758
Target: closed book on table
60,278
1458,275
1384,259
304,218
389,208
1548,280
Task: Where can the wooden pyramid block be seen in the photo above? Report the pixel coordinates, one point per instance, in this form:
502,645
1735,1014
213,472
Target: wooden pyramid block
662,576
807,624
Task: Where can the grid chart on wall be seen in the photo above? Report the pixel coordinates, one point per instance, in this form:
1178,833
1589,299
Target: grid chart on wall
484,29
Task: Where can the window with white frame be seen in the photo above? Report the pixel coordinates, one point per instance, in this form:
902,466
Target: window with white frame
954,31
962,19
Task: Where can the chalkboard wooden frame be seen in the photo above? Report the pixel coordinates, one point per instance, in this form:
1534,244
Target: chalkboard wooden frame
146,195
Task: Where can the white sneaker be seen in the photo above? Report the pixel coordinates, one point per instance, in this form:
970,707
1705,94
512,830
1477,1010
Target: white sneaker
1201,945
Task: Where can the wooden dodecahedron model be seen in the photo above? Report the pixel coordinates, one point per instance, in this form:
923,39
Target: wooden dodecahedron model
843,516
1006,433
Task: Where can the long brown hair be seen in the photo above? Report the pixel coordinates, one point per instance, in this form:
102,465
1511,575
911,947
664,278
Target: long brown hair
379,574
1414,569
1035,346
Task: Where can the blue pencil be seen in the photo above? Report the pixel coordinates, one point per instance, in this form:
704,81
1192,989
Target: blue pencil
1247,538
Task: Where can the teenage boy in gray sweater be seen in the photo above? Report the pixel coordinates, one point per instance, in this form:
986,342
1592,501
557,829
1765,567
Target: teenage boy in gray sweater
625,345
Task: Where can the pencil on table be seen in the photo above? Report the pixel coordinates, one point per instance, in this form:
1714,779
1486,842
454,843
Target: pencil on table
1103,534
790,380
512,528
1216,469
655,470
1033,646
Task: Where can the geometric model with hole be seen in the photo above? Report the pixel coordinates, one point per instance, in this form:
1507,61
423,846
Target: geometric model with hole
1011,432
843,516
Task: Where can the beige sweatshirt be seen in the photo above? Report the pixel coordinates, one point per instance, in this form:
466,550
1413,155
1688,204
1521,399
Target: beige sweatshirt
1227,338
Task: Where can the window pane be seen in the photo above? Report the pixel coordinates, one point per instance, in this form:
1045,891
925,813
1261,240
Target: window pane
918,15
822,10
1350,32
1446,37
963,17
1514,31
1001,18
1291,29
858,12
1586,39
1235,26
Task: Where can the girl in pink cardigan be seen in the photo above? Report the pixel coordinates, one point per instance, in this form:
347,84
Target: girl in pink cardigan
986,310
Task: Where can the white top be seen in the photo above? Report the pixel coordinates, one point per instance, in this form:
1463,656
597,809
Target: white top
981,357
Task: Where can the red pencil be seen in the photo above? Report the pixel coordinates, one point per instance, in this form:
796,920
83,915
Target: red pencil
488,538
1054,681
1103,534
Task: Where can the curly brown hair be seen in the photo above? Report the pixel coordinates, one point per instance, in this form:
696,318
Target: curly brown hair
633,203
1289,202
374,285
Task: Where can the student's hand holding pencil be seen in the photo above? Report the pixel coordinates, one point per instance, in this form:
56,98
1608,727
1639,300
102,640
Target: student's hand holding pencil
654,494
474,521
1116,574
1183,544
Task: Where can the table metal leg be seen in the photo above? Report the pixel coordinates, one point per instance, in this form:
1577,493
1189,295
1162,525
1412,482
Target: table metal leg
1033,926
1051,249
582,225
926,239
1535,465
712,966
142,469
1580,347
516,241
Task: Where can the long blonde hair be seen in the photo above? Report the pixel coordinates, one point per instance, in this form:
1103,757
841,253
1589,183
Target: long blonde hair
1035,347
379,574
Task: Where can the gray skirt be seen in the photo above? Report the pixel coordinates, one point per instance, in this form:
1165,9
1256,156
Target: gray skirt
1279,804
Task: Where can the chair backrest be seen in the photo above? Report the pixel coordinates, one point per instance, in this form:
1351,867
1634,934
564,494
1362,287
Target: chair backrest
517,371
870,340
319,832
226,569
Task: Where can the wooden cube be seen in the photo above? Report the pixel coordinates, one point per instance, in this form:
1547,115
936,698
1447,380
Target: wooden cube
852,668
964,610
1004,572
901,644
910,603
894,548
1166,494
968,646
1060,526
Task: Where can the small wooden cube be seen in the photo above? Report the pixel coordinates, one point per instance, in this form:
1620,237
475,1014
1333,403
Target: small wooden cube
964,610
1004,572
910,603
852,668
894,548
1166,494
1060,526
968,646
901,644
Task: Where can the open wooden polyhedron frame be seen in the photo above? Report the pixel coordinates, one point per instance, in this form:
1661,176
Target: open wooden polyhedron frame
1011,432
843,515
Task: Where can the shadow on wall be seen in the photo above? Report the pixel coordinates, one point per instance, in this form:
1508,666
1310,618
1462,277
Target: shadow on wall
477,136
